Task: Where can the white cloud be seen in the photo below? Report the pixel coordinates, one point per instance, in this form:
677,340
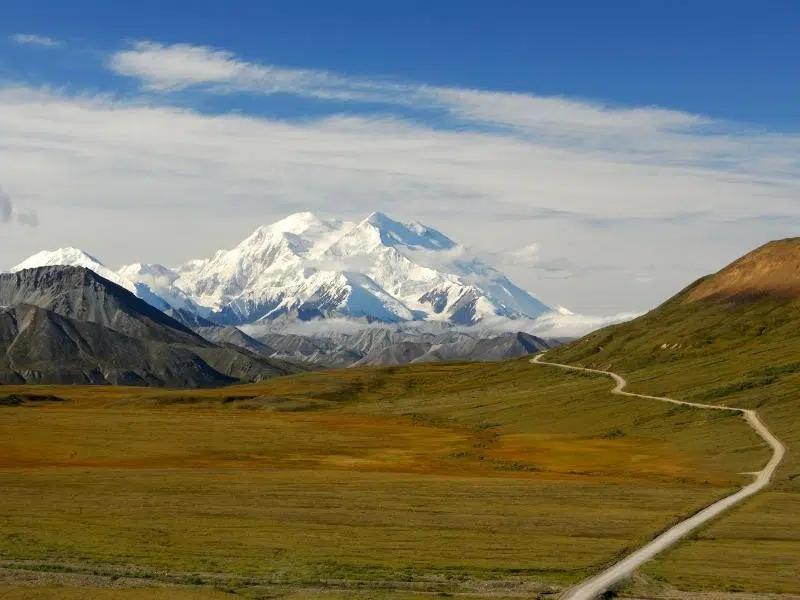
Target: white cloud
597,196
649,135
9,213
176,67
30,39
533,113
314,327
572,325
527,255
552,325
548,326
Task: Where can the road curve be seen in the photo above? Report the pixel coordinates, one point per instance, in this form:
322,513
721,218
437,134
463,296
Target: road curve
599,584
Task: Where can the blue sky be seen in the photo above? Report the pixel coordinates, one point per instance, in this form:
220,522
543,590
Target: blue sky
554,136
726,59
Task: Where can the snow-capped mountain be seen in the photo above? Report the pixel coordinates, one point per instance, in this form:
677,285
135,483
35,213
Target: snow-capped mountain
160,281
379,269
149,289
305,267
73,257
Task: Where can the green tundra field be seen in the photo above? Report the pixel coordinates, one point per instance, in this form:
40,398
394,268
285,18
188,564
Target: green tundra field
486,480
737,354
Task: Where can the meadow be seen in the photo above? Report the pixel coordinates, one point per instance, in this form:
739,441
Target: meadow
506,479
60,592
746,356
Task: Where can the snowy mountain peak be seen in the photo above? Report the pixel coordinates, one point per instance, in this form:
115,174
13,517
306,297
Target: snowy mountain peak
295,235
47,258
378,219
302,223
151,283
378,268
155,284
73,257
410,235
138,271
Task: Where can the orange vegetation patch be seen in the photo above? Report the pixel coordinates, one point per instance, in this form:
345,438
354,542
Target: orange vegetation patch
599,456
219,438
163,438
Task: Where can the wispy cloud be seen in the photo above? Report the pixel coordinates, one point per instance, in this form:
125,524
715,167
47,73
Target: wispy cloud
553,325
9,213
527,255
31,39
96,160
528,112
166,68
649,135
29,218
161,67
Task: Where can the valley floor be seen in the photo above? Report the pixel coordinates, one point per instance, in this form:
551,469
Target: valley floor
492,480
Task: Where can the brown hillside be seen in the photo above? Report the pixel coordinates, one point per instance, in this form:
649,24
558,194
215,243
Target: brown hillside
771,271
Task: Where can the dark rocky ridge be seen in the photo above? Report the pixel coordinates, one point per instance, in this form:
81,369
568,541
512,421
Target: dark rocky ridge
69,325
510,345
383,346
81,294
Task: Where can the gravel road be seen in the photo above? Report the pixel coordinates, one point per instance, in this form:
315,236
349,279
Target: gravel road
595,586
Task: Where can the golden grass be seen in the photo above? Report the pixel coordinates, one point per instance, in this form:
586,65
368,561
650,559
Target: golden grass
756,548
60,592
480,471
301,526
176,593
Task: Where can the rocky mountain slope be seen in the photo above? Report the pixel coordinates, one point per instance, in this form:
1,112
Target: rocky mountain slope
395,346
510,345
165,299
70,325
82,294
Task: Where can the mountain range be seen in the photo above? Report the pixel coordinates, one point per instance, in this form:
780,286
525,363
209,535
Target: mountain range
305,267
405,293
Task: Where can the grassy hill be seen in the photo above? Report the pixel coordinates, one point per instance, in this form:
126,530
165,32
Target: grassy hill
731,338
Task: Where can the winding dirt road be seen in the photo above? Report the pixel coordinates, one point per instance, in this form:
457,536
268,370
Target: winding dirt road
616,574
